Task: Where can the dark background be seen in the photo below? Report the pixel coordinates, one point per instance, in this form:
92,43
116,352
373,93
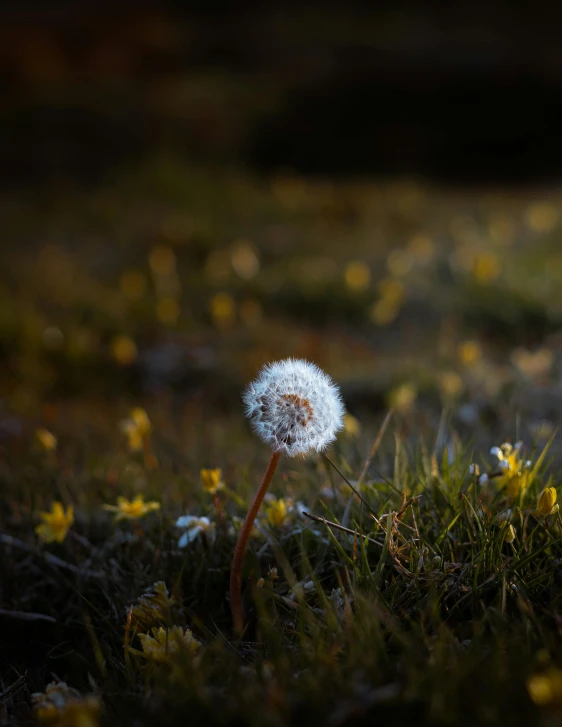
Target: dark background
458,92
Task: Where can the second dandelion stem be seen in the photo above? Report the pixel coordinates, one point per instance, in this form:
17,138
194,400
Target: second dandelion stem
242,544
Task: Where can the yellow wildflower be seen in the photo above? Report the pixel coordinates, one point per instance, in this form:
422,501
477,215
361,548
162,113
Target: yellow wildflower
124,350
56,523
541,216
487,267
469,352
244,260
545,688
351,425
168,310
510,533
133,284
276,511
137,428
152,607
166,643
134,437
162,260
357,275
450,383
515,470
403,397
140,418
131,509
212,480
546,504
223,310
46,439
61,706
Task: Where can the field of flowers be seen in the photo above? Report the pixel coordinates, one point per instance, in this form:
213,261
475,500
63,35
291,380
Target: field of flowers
409,571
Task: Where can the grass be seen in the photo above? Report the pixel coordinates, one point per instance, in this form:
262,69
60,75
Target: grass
425,611
400,596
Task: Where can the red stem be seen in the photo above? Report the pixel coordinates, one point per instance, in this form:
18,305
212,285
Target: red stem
242,544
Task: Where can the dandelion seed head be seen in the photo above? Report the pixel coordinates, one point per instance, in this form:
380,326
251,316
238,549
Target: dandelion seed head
294,407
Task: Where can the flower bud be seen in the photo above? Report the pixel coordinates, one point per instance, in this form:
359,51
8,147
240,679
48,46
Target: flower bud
546,501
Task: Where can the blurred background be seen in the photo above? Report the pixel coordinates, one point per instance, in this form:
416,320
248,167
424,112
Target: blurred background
190,189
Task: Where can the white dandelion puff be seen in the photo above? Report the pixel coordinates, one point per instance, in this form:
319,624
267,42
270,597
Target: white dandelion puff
294,407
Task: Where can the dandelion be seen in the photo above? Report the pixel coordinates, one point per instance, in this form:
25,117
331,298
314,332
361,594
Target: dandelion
546,504
167,643
295,408
56,523
194,526
212,480
514,470
131,509
46,439
61,706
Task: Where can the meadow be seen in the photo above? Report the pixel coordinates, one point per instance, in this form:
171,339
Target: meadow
412,572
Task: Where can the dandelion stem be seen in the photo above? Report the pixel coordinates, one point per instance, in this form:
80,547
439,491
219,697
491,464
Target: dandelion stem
242,544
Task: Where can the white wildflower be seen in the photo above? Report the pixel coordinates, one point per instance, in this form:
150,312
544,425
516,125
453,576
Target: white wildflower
294,407
194,526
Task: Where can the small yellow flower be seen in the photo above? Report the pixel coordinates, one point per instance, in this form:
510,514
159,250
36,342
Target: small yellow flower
131,509
212,480
223,310
545,688
124,350
166,643
357,276
152,607
487,267
546,502
351,425
469,352
510,533
450,383
56,523
61,706
46,439
515,470
137,428
134,436
276,511
403,397
140,418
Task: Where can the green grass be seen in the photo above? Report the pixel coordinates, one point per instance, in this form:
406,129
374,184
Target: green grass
429,615
425,613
